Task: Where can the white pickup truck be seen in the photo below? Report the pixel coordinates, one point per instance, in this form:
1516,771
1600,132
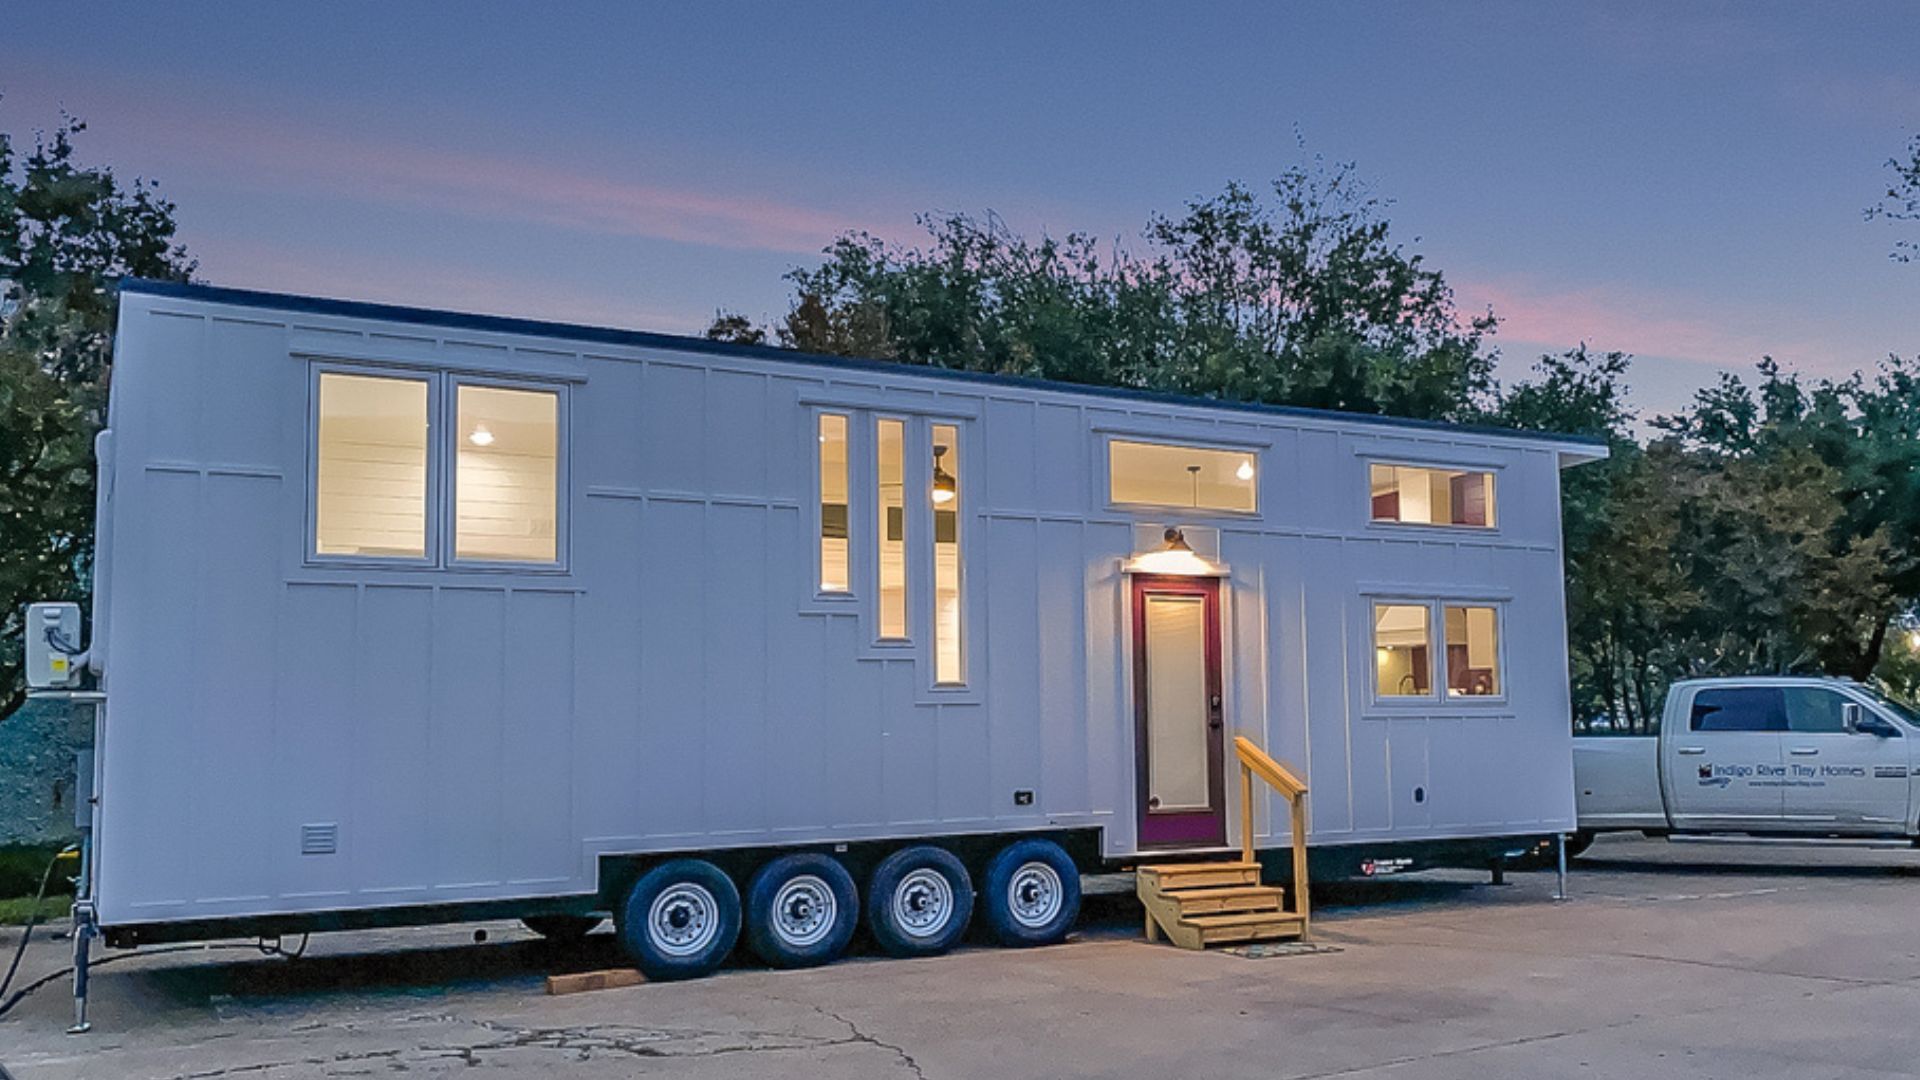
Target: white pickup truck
1762,756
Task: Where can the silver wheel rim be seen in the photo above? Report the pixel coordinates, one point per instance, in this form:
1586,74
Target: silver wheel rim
684,919
804,911
922,903
1034,895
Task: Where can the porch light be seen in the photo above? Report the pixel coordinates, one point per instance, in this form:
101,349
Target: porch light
1176,557
943,484
481,436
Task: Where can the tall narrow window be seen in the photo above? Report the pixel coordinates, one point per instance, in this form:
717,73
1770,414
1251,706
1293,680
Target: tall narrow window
1402,650
1473,651
890,448
948,660
833,503
370,495
507,475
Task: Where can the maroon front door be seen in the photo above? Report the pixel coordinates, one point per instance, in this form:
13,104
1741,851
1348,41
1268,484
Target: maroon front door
1179,741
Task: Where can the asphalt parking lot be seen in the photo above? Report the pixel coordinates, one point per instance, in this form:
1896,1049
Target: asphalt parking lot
1668,960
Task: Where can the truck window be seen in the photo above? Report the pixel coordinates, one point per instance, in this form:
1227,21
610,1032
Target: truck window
1811,709
1746,708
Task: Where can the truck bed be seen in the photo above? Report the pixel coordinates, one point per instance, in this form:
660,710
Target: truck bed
1617,782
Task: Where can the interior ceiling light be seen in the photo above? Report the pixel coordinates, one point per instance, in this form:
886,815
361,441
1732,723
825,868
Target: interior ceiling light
944,487
481,436
1245,471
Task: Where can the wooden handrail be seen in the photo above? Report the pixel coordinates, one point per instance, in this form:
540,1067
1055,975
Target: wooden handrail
1255,762
1267,769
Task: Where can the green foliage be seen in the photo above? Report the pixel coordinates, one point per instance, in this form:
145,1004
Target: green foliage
1297,296
67,233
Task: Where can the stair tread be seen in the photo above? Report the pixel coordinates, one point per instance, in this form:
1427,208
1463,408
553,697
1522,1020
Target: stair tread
1240,918
1224,892
1176,869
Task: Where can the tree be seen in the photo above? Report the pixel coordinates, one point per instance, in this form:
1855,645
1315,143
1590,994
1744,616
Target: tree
68,232
1902,199
1298,296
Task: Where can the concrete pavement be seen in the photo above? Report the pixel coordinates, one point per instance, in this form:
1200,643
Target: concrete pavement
1681,961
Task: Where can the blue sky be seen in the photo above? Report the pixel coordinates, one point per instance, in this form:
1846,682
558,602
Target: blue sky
1684,182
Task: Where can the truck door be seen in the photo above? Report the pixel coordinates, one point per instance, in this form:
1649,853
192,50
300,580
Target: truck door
1850,781
1724,768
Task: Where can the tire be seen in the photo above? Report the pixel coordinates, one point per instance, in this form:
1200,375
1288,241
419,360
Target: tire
919,902
1578,843
566,929
680,920
801,911
1031,893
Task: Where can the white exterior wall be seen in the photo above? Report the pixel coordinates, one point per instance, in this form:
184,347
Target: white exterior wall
487,734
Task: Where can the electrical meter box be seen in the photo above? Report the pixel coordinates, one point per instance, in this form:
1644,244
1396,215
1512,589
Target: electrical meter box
53,646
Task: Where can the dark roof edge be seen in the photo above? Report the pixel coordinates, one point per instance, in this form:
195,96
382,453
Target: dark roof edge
503,324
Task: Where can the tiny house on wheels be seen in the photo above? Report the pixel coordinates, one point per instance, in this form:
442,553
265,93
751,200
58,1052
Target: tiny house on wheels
407,616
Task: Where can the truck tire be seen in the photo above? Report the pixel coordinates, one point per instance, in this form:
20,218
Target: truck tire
1031,893
1578,843
801,911
919,901
562,928
680,920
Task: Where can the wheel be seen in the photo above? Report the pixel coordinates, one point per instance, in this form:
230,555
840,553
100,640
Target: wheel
801,911
563,928
1031,895
919,902
1578,843
680,920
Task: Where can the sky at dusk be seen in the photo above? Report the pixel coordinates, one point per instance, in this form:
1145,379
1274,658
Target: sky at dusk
1681,181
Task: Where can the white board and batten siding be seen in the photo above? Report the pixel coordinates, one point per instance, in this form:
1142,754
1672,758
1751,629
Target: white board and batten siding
675,683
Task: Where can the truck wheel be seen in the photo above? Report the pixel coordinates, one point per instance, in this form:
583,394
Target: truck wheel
1031,895
919,902
562,928
1578,843
680,920
801,911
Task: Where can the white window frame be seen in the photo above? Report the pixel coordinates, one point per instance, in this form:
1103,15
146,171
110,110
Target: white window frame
1435,671
430,551
1439,696
449,406
964,488
1104,472
1492,473
1499,650
911,567
855,465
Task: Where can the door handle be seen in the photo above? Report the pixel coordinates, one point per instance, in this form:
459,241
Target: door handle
1804,751
1213,712
1692,750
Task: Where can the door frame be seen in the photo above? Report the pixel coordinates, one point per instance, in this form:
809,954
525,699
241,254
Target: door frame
1179,829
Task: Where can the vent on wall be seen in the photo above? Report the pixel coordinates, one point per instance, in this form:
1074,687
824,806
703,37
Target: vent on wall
321,839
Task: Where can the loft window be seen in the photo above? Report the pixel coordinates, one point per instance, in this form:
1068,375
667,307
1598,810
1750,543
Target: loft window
1473,651
370,467
1414,494
834,555
890,449
948,660
506,475
1402,650
1168,474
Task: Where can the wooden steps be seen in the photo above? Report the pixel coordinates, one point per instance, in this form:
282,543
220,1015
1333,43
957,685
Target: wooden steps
1210,903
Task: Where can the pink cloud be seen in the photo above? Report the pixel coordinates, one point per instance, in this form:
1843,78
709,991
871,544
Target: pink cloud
1614,317
253,144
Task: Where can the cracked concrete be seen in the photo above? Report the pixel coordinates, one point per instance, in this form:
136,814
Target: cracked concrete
1670,961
